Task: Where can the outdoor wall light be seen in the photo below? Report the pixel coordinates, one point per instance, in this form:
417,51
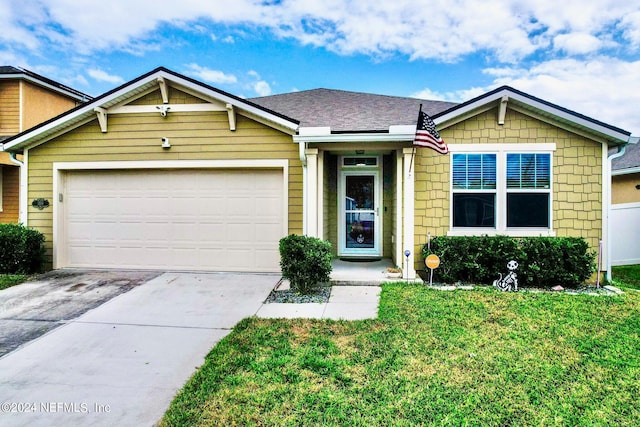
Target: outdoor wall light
165,143
164,109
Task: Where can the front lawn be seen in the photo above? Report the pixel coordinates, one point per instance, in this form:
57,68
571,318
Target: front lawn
477,357
8,280
627,275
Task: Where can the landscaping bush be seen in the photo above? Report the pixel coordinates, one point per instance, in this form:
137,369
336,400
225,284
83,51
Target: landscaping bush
543,261
305,261
21,249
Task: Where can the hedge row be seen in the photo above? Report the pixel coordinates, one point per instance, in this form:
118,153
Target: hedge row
543,261
21,249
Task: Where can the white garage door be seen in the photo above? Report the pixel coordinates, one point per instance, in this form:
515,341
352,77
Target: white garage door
219,220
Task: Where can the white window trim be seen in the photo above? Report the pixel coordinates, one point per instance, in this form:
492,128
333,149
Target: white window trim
501,151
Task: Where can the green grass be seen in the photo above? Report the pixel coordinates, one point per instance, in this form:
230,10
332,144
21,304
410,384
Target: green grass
627,275
8,280
477,357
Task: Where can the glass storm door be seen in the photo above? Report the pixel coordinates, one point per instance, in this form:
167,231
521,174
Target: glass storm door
359,216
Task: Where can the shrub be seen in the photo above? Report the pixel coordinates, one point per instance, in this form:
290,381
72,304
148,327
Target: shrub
305,261
543,261
21,249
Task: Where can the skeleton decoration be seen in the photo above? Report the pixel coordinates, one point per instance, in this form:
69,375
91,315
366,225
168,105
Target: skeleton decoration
510,281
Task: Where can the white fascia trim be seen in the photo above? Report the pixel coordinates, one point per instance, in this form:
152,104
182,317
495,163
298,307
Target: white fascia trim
314,131
536,105
229,100
625,171
356,137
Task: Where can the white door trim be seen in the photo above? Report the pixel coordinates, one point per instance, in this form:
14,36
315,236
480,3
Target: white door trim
376,251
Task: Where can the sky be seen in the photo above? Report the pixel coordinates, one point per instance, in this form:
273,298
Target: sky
583,55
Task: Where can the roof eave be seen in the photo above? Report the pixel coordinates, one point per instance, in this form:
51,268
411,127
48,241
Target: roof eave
61,89
85,112
541,109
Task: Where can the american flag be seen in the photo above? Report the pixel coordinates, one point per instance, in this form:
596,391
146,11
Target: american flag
427,135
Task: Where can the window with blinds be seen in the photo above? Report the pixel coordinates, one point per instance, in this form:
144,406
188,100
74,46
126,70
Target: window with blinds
474,171
474,186
529,171
527,175
503,190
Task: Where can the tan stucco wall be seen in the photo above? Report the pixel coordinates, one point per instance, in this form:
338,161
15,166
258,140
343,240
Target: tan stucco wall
40,105
577,175
9,107
623,188
193,136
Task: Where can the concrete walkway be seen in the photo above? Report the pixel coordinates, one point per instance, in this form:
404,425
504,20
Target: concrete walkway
121,363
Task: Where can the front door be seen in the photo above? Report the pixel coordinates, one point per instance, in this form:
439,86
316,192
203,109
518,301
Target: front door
360,213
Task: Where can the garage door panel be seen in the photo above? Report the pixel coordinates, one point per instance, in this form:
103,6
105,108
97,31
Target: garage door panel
224,220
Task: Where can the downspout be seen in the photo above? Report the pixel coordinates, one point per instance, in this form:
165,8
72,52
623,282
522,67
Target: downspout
302,147
22,193
620,153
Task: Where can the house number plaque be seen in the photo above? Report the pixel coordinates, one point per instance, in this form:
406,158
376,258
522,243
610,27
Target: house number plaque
40,203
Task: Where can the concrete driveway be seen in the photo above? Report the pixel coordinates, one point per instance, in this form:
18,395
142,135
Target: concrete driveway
122,362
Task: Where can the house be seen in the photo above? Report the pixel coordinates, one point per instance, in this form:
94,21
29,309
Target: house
168,172
26,99
625,208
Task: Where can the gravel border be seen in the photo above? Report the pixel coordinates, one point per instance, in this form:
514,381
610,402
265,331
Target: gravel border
319,295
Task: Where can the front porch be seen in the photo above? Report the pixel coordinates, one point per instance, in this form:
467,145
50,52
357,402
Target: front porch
362,273
359,197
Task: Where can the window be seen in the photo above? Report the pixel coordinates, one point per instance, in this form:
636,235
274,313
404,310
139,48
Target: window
528,190
508,191
474,186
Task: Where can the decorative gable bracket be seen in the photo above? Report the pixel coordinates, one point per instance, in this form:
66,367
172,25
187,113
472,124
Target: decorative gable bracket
102,118
502,110
232,117
164,89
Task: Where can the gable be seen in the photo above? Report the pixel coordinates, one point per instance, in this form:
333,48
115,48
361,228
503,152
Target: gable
506,99
177,94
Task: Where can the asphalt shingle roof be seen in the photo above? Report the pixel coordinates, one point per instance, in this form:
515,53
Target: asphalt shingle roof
346,111
630,158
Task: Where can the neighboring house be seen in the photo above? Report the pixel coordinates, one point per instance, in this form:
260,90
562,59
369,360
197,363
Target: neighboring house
168,172
625,210
26,99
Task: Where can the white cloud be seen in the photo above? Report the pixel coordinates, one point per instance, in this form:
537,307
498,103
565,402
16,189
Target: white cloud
577,43
262,88
506,33
209,75
507,30
103,76
630,25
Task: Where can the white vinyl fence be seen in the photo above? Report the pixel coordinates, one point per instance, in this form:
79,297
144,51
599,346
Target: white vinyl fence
624,224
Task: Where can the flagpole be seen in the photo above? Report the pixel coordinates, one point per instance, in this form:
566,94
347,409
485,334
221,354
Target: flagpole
413,153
